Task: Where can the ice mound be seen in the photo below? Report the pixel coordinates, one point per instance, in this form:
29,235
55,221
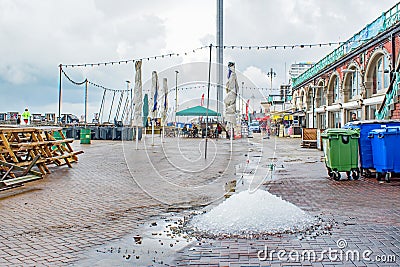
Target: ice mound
259,212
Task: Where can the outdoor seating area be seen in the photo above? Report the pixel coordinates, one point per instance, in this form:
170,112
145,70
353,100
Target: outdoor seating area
201,132
24,148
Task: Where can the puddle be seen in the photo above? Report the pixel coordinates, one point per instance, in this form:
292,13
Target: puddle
156,244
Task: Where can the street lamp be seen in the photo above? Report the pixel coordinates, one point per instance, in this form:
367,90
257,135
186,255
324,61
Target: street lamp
127,89
253,97
241,103
176,98
271,74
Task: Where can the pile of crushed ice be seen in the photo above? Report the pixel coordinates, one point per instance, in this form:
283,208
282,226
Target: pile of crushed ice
252,213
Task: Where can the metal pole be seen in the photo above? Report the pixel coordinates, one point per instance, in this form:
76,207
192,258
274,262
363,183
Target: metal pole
59,96
112,103
130,102
86,100
208,101
131,106
176,100
220,54
271,82
241,104
313,108
102,107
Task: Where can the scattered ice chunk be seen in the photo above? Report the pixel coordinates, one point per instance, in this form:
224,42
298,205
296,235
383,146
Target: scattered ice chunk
252,213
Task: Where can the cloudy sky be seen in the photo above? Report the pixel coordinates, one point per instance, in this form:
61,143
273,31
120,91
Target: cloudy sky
37,35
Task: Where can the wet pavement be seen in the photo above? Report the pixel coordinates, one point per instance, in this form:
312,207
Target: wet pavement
90,214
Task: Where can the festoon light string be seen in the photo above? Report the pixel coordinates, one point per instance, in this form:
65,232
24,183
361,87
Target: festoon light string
92,83
169,55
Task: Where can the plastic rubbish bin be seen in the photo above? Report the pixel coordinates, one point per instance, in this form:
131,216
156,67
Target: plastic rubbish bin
95,132
129,134
69,133
77,133
365,147
106,133
58,136
85,136
341,152
386,158
117,133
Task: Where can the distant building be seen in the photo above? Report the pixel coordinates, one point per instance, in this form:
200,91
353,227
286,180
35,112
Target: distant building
285,92
297,69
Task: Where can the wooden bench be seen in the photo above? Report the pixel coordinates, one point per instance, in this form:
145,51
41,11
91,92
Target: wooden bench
21,180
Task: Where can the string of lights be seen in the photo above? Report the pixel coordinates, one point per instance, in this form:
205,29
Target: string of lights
278,46
254,47
214,85
292,46
169,55
180,88
108,89
72,81
93,84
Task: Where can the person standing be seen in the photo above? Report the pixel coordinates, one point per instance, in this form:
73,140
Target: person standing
354,117
26,115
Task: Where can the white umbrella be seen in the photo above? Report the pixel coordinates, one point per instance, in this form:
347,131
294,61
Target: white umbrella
153,102
230,99
138,100
165,107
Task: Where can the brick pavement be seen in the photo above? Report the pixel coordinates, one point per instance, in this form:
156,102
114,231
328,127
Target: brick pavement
55,221
365,213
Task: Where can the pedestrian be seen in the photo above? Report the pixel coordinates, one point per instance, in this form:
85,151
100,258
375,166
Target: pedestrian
18,119
354,117
26,115
219,130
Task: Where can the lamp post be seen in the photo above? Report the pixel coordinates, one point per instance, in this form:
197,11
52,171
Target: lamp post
271,74
176,99
241,104
127,89
253,97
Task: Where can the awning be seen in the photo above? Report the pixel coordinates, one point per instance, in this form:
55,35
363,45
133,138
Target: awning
197,111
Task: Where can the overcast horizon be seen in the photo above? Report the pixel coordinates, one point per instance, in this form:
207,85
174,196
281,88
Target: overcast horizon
40,35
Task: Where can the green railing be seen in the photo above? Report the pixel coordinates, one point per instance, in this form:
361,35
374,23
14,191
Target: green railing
381,24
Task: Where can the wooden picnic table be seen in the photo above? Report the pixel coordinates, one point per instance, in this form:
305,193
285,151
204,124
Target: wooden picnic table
21,146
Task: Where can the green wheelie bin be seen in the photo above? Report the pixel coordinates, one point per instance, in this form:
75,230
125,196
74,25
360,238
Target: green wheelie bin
341,152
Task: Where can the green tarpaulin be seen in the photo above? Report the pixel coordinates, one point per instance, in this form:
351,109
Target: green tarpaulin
197,111
145,109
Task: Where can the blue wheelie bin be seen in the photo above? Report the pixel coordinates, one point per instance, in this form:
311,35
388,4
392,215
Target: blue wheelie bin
386,158
365,147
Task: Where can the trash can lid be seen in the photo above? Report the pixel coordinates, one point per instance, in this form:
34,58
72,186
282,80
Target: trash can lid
392,130
340,131
351,123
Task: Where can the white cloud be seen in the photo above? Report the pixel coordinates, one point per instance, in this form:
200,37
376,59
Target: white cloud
38,35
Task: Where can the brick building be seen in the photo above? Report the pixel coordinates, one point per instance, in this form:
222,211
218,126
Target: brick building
361,76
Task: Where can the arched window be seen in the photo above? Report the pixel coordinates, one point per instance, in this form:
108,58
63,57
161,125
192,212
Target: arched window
336,92
355,83
380,78
321,97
